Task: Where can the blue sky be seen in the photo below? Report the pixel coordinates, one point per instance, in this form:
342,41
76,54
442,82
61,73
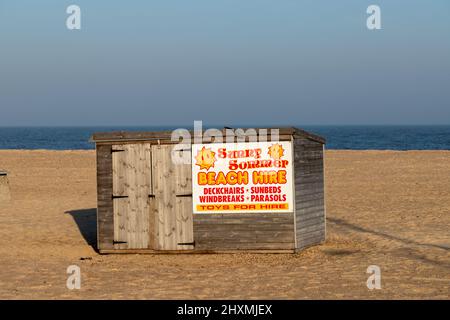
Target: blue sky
253,62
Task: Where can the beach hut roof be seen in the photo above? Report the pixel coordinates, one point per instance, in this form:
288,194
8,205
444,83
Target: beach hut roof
166,135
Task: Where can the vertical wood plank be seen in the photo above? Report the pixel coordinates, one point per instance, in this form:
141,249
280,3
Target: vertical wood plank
294,191
119,188
183,205
105,212
309,187
143,182
184,217
164,188
131,167
149,193
183,177
156,192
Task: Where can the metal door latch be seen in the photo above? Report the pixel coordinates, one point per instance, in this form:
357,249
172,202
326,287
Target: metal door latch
187,244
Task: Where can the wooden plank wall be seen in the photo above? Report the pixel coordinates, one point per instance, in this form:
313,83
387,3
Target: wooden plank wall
232,231
245,231
157,138
165,137
131,188
236,231
105,227
173,200
164,190
309,192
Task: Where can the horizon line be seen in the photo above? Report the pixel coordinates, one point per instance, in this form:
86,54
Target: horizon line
237,126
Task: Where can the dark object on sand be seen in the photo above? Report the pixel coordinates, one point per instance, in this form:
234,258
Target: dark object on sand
145,200
5,194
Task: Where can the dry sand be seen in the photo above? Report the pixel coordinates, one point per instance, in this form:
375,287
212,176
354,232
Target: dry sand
387,208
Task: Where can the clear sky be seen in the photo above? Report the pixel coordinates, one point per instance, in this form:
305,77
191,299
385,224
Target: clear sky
226,62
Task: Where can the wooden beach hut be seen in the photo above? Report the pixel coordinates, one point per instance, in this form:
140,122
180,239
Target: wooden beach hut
264,196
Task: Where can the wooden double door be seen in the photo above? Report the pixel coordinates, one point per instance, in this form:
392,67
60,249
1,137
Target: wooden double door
152,198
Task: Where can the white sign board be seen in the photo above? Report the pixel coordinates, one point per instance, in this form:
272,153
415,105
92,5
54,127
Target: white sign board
242,177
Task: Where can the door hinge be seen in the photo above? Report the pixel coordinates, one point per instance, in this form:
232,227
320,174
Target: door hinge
118,197
119,242
184,195
187,244
112,150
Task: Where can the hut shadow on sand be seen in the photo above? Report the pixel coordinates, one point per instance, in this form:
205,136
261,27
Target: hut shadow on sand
86,220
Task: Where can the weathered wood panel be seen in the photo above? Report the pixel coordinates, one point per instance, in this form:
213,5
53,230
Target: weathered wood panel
226,251
183,205
244,231
183,176
174,142
184,223
131,166
309,188
165,137
164,191
105,227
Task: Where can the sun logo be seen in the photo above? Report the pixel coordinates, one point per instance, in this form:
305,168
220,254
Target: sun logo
205,158
276,151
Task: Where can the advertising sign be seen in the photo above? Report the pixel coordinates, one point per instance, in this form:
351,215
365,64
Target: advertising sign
242,177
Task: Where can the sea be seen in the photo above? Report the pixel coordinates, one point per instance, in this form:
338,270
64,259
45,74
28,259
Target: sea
338,137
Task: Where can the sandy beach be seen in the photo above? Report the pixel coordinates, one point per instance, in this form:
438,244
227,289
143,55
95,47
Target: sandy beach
385,208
